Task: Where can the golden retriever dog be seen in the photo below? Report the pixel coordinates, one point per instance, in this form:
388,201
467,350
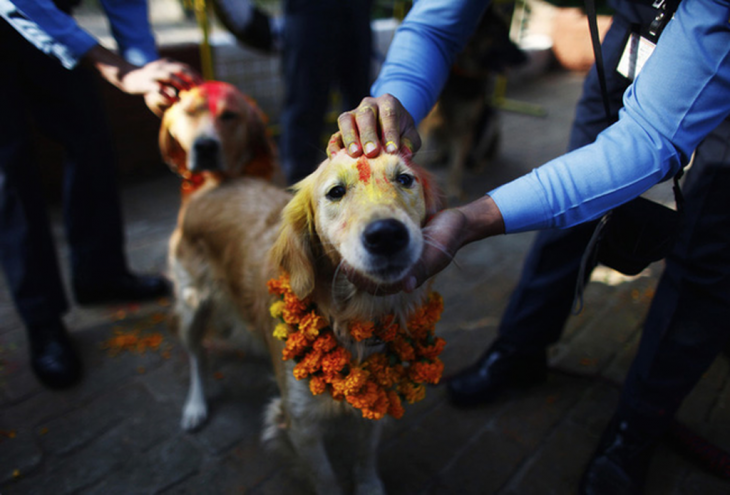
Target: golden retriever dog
243,234
213,133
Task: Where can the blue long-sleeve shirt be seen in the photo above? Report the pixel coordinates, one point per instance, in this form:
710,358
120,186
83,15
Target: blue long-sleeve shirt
57,33
681,94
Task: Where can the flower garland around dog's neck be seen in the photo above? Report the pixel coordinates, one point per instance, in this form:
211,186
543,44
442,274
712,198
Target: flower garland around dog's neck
376,385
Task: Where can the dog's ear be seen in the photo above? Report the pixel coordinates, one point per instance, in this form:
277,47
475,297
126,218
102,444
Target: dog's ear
262,162
433,195
172,153
293,251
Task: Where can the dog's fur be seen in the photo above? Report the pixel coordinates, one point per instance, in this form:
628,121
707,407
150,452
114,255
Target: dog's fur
464,124
234,237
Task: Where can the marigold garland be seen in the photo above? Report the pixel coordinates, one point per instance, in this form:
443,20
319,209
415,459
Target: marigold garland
378,385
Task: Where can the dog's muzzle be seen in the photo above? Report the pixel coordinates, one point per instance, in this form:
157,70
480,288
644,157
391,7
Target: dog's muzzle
205,155
385,237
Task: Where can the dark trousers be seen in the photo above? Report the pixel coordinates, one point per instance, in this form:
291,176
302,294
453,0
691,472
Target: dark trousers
686,325
66,106
327,45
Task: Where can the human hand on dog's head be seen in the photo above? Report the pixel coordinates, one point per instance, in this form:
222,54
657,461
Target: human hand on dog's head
377,124
446,233
159,81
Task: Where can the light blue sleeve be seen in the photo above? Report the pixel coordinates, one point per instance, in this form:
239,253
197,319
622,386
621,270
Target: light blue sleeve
681,94
423,50
49,29
130,26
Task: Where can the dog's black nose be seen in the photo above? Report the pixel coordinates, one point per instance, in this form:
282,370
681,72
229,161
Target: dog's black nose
385,237
205,152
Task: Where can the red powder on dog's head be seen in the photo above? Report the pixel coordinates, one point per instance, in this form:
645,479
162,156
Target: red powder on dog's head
363,169
215,91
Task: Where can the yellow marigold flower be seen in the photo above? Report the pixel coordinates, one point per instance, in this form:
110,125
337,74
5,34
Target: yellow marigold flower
296,344
395,408
325,342
430,351
277,309
310,325
412,392
361,330
335,360
281,331
426,372
317,385
403,349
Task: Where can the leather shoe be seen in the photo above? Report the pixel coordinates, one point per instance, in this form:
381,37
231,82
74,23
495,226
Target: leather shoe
500,369
620,462
52,355
124,288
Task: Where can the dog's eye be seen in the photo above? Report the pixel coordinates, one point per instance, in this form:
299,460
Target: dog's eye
228,115
336,192
405,180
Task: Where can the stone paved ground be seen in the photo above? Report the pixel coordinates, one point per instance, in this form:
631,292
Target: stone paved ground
118,431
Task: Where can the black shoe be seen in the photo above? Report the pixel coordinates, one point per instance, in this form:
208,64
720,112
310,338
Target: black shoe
123,288
52,355
620,462
500,369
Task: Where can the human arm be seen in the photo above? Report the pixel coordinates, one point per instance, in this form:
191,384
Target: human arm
412,77
57,34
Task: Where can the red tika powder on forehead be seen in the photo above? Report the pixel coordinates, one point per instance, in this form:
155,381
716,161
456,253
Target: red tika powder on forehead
215,92
363,169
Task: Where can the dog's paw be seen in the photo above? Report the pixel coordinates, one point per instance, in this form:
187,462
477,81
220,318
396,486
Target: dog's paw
194,415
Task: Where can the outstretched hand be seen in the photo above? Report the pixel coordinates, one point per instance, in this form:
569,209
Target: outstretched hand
377,124
159,81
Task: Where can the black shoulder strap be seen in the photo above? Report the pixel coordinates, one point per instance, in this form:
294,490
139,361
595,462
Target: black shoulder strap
598,53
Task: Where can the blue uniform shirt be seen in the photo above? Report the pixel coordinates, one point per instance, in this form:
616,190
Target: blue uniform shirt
681,94
57,34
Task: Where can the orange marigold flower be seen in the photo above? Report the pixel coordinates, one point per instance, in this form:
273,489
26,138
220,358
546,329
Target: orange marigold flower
281,331
384,375
317,385
300,372
388,329
379,405
364,398
395,408
279,286
403,349
312,361
294,309
325,342
361,330
355,380
412,392
430,351
335,360
338,383
426,372
310,325
296,344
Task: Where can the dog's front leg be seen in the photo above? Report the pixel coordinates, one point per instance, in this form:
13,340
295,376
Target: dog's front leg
308,441
193,319
365,471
